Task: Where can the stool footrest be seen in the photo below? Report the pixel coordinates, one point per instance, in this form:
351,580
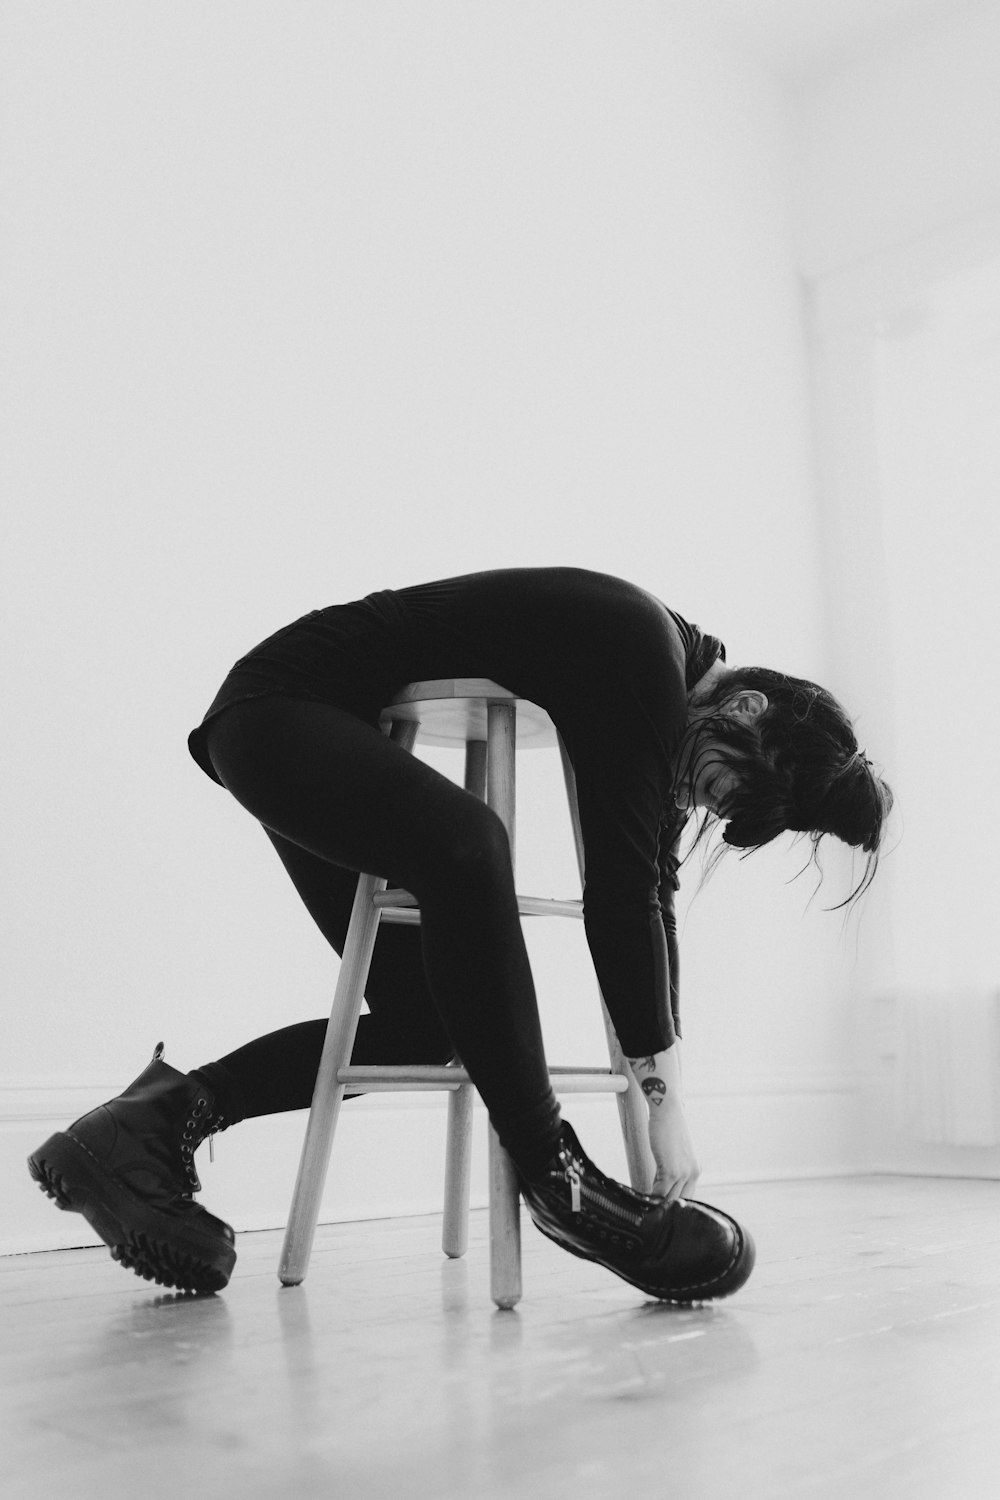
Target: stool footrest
420,1078
402,907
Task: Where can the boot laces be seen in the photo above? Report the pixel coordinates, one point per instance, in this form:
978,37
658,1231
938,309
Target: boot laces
201,1122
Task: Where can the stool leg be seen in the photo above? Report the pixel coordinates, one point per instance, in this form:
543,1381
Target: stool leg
505,1198
458,1154
505,1227
328,1093
633,1112
457,1173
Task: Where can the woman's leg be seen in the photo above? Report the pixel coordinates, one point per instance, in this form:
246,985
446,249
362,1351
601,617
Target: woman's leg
278,1071
331,785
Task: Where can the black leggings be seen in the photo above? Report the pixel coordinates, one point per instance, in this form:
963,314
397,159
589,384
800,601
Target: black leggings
337,796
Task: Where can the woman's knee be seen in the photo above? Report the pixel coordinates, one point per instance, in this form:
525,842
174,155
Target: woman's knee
473,855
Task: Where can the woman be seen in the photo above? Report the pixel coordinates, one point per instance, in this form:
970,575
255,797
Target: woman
656,726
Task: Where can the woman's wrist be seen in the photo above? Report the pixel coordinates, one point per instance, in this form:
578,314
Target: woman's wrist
658,1074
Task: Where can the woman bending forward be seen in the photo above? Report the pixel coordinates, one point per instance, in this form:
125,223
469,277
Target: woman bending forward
655,724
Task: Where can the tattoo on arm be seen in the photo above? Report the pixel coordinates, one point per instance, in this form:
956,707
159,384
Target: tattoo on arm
653,1087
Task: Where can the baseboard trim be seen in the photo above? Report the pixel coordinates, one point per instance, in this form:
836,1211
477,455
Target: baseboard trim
59,1098
389,1156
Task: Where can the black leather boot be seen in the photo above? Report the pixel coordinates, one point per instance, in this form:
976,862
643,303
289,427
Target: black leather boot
128,1167
681,1251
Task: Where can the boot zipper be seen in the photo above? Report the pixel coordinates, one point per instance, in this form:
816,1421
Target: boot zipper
573,1177
576,1192
621,1214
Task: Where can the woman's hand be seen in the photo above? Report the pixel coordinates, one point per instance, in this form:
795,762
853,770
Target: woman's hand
677,1169
659,1077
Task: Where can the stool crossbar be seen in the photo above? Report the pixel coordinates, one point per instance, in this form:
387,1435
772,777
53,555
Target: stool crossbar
490,722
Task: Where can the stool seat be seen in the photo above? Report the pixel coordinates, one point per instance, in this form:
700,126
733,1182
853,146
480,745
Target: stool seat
454,710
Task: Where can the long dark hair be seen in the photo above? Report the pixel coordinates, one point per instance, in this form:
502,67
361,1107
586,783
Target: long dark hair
798,765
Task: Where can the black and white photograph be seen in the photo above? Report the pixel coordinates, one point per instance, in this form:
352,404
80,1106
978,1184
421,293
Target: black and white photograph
501,986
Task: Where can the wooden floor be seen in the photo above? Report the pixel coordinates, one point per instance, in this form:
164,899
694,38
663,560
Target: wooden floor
861,1360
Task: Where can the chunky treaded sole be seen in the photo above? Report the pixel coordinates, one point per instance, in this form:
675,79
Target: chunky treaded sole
140,1238
735,1275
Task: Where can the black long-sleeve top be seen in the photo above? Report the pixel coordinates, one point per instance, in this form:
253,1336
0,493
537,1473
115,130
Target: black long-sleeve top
612,666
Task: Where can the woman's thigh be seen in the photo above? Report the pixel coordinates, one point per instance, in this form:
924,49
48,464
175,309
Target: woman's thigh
335,786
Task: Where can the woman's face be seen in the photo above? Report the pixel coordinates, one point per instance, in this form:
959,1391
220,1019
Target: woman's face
713,781
706,758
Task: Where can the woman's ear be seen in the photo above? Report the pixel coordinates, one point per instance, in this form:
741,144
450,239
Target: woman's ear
748,704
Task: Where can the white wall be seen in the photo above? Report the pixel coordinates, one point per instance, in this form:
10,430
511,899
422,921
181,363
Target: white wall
901,143
309,299
897,199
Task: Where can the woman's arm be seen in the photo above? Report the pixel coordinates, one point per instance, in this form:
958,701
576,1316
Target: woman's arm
631,882
659,1075
668,866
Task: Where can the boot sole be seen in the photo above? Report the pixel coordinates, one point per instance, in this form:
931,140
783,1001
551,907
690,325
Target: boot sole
735,1275
140,1238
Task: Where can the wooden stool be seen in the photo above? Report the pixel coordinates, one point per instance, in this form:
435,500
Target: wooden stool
490,722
